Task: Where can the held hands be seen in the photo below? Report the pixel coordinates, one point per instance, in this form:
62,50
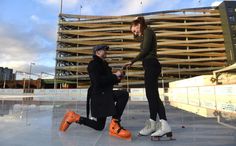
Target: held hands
128,65
119,74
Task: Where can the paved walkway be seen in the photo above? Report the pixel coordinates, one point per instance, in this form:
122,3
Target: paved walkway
38,126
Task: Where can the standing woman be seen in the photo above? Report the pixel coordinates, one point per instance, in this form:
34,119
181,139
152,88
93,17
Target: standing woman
152,70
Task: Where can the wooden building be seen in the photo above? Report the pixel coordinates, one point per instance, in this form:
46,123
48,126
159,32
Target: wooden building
190,43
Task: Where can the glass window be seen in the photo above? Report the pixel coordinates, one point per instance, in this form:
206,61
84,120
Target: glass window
233,28
231,19
234,37
230,10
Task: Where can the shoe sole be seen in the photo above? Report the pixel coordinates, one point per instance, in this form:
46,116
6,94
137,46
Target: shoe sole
115,135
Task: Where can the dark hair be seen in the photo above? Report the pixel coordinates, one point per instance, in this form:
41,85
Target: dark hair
139,20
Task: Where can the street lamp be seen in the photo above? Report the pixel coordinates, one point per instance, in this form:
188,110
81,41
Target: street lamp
32,63
24,81
4,83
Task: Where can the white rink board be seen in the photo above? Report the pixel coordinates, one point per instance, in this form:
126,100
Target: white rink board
83,94
178,95
204,80
226,98
39,91
193,96
11,91
139,94
219,97
161,93
207,97
62,94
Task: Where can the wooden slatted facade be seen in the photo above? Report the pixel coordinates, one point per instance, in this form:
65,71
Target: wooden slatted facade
190,43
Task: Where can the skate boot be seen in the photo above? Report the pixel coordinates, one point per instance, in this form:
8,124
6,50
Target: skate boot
69,118
150,127
116,130
162,131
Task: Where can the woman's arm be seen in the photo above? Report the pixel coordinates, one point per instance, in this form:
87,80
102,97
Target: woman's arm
146,47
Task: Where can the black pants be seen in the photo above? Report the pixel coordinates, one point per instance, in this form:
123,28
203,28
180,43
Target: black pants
121,99
152,70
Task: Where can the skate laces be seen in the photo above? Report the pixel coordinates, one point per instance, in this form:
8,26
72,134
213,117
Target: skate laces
158,125
147,125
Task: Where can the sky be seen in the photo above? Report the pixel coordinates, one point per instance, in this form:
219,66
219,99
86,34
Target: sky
28,28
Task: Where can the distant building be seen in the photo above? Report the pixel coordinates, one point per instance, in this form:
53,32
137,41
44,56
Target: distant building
191,42
6,74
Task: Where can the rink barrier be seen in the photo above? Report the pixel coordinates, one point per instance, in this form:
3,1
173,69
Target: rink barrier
136,94
204,100
211,98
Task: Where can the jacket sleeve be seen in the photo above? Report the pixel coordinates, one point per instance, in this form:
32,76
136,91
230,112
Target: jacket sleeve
99,79
146,47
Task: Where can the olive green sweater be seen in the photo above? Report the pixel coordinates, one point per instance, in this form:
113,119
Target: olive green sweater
148,45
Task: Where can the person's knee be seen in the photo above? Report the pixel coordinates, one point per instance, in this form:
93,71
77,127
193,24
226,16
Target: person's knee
122,96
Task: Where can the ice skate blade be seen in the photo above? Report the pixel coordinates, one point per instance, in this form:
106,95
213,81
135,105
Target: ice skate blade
168,137
125,138
158,138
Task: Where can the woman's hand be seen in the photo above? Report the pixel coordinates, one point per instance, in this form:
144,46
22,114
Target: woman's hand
119,74
128,65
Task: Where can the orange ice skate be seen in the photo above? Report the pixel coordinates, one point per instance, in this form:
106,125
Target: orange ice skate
116,130
69,118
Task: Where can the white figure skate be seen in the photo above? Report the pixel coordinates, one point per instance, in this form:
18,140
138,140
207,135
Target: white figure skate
150,127
162,131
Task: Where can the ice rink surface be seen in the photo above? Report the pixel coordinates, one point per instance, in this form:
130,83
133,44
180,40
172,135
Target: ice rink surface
37,125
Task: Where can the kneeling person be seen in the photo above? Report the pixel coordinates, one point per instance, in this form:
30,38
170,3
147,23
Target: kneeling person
105,101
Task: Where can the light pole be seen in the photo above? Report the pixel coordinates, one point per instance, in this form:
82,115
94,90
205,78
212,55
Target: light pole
4,83
80,9
32,63
141,3
61,6
24,81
